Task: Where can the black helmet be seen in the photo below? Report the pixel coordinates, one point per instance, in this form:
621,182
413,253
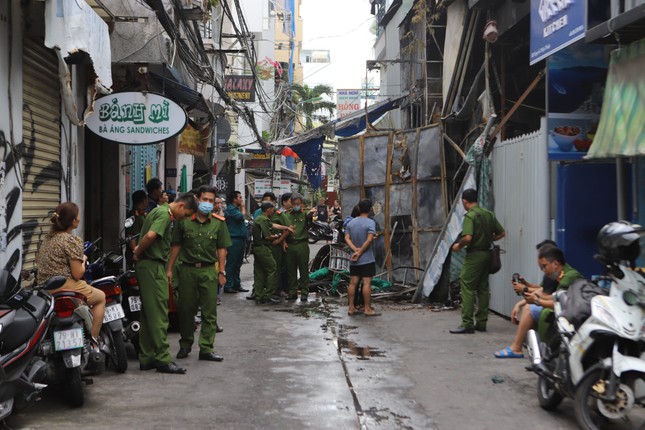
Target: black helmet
619,241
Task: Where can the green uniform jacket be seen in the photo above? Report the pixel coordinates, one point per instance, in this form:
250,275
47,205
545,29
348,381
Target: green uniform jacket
262,230
200,241
139,219
159,220
235,221
481,224
570,275
300,221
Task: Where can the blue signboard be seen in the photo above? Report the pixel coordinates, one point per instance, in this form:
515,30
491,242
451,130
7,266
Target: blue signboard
555,24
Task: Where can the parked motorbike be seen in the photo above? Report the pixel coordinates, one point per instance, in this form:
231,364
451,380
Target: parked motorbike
112,340
68,348
598,361
248,246
24,319
323,231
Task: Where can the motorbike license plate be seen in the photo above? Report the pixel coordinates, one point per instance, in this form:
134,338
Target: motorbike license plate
68,339
112,313
135,303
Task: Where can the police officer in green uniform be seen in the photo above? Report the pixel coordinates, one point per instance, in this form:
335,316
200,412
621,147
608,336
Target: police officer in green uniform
151,256
200,240
479,230
265,271
297,249
277,248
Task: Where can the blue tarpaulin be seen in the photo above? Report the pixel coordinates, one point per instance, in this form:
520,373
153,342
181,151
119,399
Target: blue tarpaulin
308,145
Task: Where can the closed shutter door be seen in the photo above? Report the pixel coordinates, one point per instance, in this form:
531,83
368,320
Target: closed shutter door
42,136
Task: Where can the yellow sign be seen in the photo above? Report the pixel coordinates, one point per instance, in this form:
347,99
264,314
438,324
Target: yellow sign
195,142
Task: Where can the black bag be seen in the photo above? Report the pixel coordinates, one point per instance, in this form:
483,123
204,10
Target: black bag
495,259
576,308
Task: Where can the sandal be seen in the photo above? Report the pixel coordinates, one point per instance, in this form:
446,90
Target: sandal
508,353
373,314
355,312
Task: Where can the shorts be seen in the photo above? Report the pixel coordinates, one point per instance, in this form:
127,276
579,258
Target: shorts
363,270
79,286
535,312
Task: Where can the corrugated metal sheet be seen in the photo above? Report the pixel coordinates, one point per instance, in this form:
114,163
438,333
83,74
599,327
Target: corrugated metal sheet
42,135
521,188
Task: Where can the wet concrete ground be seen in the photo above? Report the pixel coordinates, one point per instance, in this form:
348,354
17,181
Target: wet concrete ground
296,366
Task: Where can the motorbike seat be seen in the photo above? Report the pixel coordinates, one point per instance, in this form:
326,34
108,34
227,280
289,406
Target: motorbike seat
18,331
68,294
107,280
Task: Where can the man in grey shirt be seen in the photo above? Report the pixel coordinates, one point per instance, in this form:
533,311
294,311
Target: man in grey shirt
360,233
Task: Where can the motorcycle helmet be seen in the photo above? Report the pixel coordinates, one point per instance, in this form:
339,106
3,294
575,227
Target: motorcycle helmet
619,241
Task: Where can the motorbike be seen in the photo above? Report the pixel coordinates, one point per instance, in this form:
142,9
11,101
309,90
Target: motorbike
328,232
112,342
68,348
24,319
248,245
599,359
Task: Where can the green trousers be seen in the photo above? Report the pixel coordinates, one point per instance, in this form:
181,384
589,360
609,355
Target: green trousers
474,286
298,261
153,337
265,272
280,263
234,260
198,290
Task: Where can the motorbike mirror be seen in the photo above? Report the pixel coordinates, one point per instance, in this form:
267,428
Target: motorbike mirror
55,282
129,222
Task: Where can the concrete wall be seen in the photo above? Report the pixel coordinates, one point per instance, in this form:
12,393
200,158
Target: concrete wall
10,136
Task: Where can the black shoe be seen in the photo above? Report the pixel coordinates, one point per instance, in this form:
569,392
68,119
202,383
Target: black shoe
251,297
273,300
241,290
304,297
230,291
292,297
183,353
462,330
171,368
210,356
219,329
482,329
145,367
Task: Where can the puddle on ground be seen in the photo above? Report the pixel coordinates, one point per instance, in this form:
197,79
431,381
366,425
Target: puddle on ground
347,346
311,308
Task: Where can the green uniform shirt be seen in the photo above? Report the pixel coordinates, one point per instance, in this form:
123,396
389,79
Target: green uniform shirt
570,275
481,224
200,241
235,221
262,230
139,218
301,225
159,220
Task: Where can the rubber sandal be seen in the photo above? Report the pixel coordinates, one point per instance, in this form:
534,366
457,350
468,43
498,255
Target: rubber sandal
356,312
507,353
374,314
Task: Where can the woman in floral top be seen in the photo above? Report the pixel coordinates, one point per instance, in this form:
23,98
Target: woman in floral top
61,254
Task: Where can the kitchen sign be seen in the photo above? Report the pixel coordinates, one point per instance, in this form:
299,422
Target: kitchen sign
555,24
136,118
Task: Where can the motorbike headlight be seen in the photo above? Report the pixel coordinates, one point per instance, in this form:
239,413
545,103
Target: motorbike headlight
601,313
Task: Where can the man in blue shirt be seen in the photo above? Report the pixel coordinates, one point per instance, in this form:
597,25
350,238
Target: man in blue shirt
360,233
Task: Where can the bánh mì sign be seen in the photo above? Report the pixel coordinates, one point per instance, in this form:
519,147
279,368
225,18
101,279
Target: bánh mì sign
136,118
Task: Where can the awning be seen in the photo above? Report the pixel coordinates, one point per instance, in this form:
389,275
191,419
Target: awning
309,145
621,130
172,87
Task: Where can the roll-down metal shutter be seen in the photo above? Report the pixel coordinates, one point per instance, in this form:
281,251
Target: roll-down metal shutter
41,152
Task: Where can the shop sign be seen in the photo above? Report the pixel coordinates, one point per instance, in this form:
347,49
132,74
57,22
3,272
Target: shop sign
555,24
193,141
241,87
347,102
576,80
262,186
136,118
285,186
